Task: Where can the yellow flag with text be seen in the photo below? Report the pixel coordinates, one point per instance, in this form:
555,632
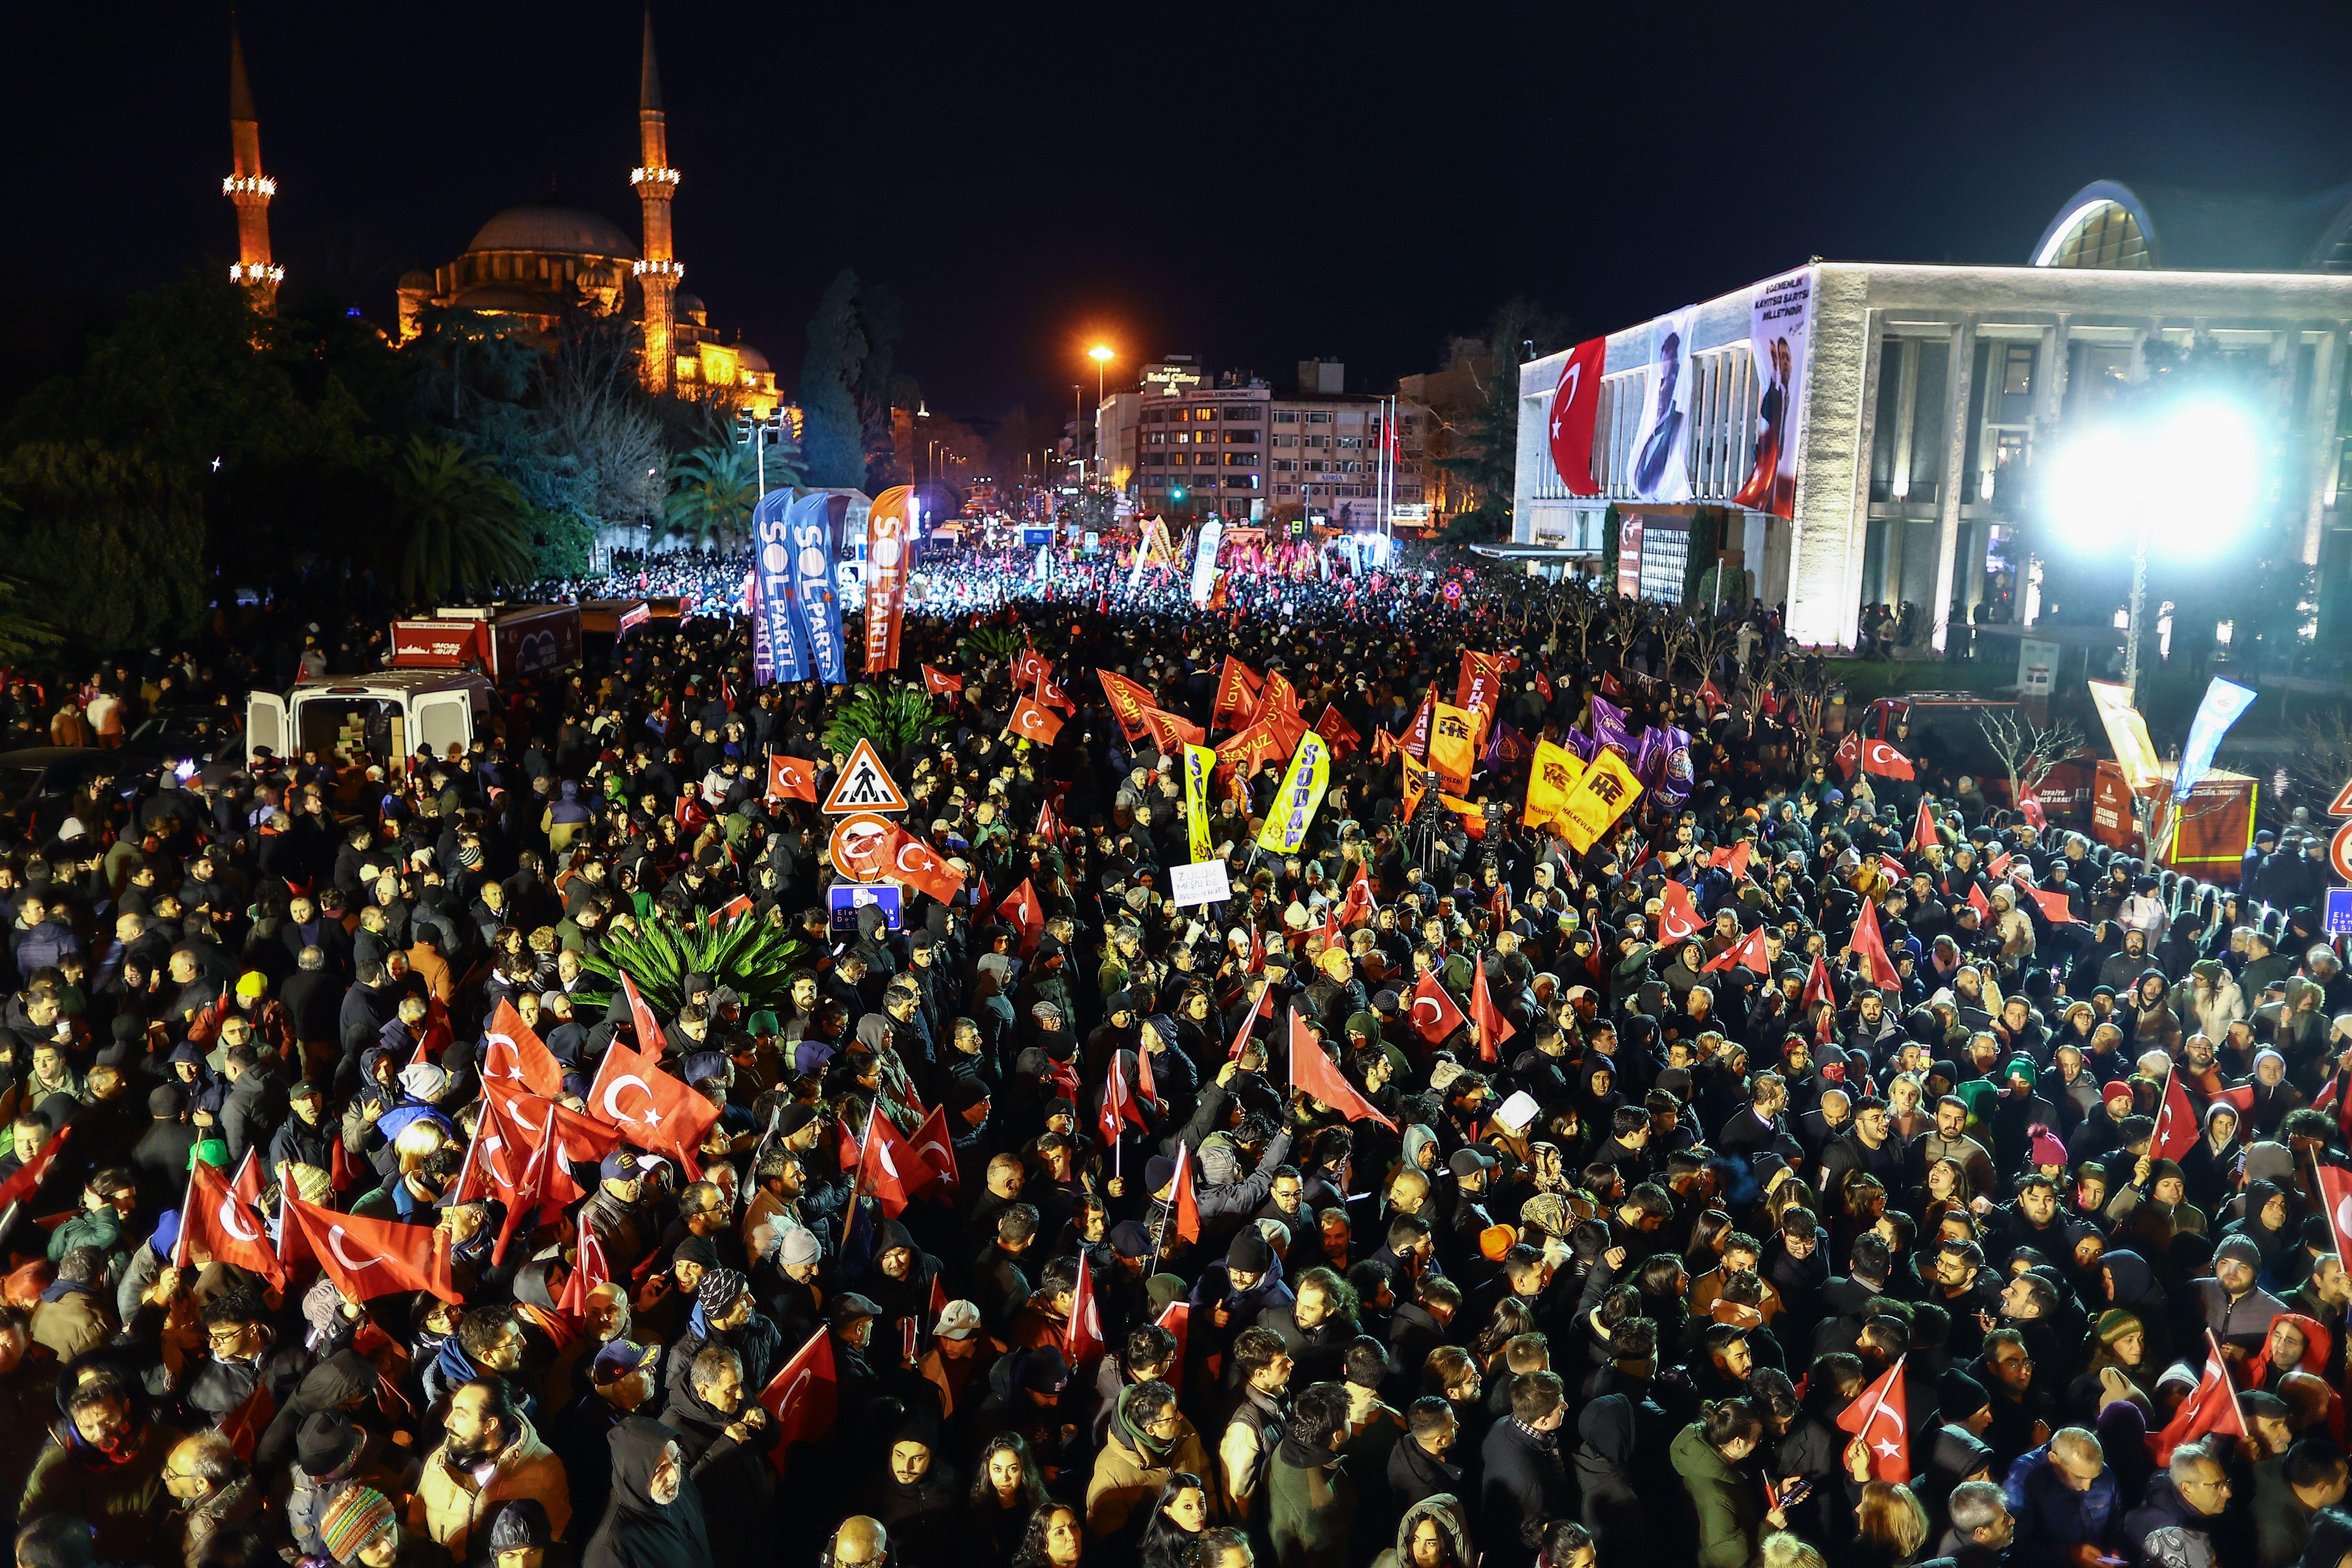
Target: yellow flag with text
1454,746
1198,763
1554,771
1606,792
1301,792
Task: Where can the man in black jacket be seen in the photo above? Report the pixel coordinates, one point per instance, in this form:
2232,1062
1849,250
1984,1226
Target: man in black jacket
1525,1476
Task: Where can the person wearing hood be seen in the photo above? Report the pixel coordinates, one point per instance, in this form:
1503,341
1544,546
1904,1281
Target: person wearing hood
899,1281
1311,1497
2208,1165
1606,1481
1433,1534
655,1517
1149,1439
724,1437
490,1454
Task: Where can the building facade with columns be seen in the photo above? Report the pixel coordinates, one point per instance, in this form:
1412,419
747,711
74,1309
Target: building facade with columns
1928,391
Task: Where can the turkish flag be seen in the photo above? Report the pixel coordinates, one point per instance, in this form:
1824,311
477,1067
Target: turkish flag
2211,1407
1870,947
1258,950
1748,950
2177,1129
1678,921
791,778
1030,722
1434,1016
908,859
2336,1193
939,683
513,1054
1053,696
934,1145
2032,810
727,913
1082,1337
1026,914
2055,908
589,1270
1359,905
1892,867
1848,756
1315,1074
372,1258
1884,760
1610,685
1183,1197
520,1153
801,1399
1177,1318
663,1115
31,1173
1817,986
243,1426
888,1169
1115,1104
1495,1031
1979,902
1257,1008
219,1222
1709,694
1734,860
650,1037
1569,432
1879,1416
1923,832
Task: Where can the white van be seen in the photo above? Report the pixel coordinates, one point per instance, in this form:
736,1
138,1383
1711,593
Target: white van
388,714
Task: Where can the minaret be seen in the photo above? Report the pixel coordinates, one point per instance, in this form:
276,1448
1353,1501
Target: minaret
657,183
248,188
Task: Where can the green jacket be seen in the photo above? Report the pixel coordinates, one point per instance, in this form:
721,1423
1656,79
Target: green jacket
1723,1498
1310,1513
101,1228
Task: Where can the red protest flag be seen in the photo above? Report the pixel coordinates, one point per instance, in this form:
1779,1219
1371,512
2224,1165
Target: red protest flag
912,861
511,1052
1238,696
243,1426
1708,693
1848,756
1177,1318
1884,761
1678,921
218,1222
1870,947
1359,905
2211,1407
1183,1195
1053,696
1170,731
1880,1416
1384,746
2055,908
663,1116
802,1398
1495,1031
1979,902
1026,914
2335,1196
1434,1014
1257,950
1817,986
589,1270
1314,1073
935,1146
372,1258
2177,1129
1338,731
940,683
1257,1008
1129,701
33,1171
650,1036
1748,950
1923,832
1082,1337
1733,859
1030,722
791,778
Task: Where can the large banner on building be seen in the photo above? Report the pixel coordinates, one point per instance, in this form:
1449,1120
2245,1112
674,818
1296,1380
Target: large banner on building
779,640
1572,410
1780,327
1662,441
886,532
809,531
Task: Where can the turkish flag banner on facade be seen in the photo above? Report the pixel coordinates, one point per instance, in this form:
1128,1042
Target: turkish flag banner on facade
2211,1407
512,1053
218,1225
1032,723
1495,1031
1879,1415
1314,1073
372,1258
1569,427
908,859
791,778
1434,1014
652,1109
940,683
801,1399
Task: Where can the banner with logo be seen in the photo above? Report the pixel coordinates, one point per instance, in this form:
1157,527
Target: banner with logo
2126,732
779,641
1200,761
1780,328
1555,772
1660,471
1606,792
1301,792
889,527
1204,562
2224,700
1572,410
810,537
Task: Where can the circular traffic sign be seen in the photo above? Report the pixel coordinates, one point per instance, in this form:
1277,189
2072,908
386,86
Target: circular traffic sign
1453,593
2339,853
857,847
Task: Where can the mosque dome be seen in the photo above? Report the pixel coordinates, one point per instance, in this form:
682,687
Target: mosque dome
549,227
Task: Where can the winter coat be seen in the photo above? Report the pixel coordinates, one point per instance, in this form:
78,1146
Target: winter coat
740,1472
1451,1517
1523,1477
1603,1463
1723,1498
2052,1518
2165,1532
446,1510
1128,1476
126,1504
1312,1504
636,1532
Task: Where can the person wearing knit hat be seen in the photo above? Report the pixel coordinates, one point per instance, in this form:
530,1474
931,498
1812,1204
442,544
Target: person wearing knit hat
359,1518
2231,1302
2046,1154
423,1080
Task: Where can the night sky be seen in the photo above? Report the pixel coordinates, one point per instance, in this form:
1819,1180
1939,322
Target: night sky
1250,184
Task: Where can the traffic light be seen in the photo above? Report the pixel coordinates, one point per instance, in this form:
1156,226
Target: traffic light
1177,494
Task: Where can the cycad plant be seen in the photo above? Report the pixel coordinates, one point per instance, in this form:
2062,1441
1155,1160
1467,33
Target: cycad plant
892,720
983,644
750,957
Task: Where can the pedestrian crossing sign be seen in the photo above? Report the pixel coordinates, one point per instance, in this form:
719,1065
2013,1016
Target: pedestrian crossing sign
863,786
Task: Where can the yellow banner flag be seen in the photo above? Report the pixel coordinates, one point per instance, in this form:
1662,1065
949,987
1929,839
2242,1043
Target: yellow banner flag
1606,792
1454,745
1301,792
1418,780
1200,761
2127,733
1556,771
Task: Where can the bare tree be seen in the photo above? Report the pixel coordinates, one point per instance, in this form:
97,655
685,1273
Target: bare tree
1582,608
2028,752
597,418
2323,757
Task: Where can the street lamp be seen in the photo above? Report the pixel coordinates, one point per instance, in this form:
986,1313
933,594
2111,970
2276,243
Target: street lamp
1102,355
2181,481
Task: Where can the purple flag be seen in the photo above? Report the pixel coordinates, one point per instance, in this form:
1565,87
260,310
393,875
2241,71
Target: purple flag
1608,725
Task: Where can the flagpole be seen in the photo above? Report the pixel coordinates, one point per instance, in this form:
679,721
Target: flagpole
2228,1383
858,1174
179,1243
1894,1376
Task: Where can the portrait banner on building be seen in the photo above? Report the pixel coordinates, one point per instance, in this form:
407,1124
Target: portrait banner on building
1573,406
1780,330
1662,440
779,626
810,537
887,531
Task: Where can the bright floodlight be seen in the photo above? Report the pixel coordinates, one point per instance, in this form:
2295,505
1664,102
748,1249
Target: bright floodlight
2189,476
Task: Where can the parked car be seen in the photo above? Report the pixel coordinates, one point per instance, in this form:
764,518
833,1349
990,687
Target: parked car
37,783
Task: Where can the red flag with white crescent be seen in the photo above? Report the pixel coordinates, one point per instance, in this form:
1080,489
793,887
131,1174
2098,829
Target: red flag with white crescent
1880,1416
1183,1197
1435,1014
218,1222
802,1398
2211,1407
512,1053
652,1109
1870,947
370,1258
1678,921
791,778
1495,1031
935,1147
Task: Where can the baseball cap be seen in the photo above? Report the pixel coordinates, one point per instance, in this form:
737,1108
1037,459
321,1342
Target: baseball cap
618,1358
957,1320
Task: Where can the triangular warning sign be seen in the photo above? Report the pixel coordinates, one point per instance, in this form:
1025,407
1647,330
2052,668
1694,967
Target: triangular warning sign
863,786
2342,805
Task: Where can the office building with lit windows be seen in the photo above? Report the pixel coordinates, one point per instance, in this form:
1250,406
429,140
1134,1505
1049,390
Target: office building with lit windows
1926,390
1247,451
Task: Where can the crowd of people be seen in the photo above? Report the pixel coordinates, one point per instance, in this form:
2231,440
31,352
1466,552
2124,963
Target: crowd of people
1793,1166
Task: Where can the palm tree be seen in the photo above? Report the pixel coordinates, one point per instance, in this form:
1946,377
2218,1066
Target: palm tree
713,491
463,521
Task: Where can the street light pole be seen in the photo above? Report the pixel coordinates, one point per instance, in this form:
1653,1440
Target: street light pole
2138,609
